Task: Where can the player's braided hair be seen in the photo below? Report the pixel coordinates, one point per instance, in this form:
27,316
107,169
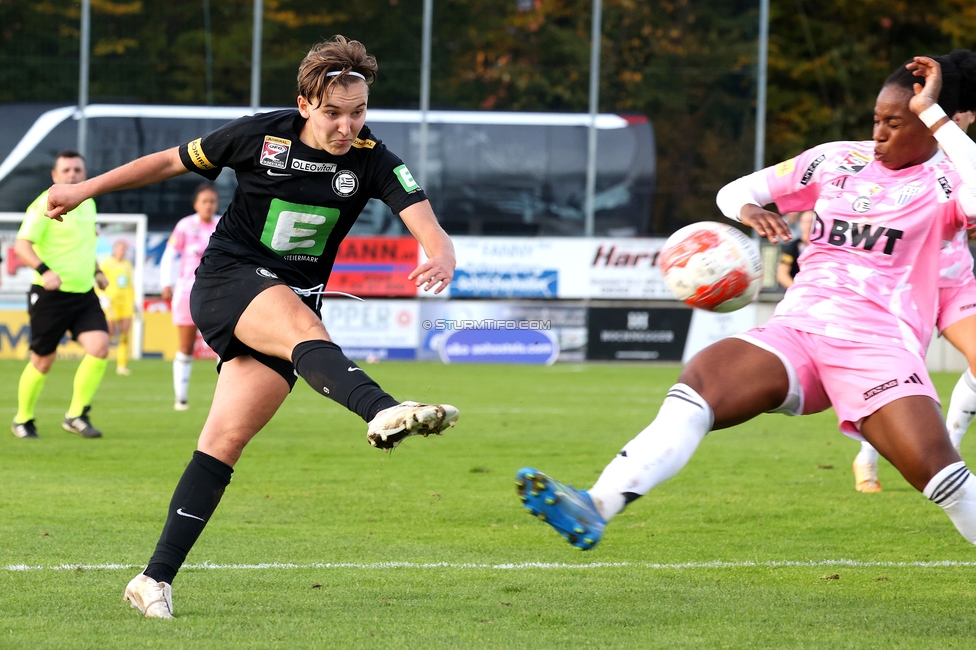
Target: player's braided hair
338,54
958,80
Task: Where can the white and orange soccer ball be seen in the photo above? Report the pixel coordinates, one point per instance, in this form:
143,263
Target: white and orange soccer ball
712,266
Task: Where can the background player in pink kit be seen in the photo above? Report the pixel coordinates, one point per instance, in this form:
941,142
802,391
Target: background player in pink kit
957,323
853,329
188,241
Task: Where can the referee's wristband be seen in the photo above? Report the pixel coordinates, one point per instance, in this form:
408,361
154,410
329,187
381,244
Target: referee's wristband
41,268
931,115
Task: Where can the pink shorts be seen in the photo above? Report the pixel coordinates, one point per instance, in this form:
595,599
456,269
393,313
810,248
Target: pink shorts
856,379
181,306
956,303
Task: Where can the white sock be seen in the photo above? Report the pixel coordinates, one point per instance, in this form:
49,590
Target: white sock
868,454
656,454
954,490
182,367
962,407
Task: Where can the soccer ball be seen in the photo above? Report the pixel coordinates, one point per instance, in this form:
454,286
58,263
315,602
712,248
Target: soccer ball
712,266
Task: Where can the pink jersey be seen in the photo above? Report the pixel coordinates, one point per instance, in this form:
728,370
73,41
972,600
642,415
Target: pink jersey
871,270
956,264
189,240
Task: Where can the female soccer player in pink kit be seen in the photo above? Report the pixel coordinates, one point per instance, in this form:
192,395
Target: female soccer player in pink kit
188,241
956,321
850,333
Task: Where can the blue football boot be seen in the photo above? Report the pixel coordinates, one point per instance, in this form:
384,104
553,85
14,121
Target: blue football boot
570,511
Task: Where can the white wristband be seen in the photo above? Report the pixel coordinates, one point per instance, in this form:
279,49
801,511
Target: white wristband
931,115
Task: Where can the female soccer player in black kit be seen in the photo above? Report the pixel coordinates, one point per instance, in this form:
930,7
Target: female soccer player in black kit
303,178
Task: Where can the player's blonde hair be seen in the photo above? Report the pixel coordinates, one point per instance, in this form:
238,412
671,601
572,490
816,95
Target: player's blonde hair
337,55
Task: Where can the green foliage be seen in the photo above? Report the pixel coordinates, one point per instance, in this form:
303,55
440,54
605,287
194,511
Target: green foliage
687,64
309,491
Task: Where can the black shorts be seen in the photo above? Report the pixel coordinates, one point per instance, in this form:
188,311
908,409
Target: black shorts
54,313
222,290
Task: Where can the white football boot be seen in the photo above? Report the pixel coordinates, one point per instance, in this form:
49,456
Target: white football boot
154,599
392,425
866,477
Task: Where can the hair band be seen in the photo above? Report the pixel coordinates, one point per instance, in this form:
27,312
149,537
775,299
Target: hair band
336,73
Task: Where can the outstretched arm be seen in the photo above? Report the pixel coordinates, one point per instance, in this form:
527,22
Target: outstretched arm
741,201
147,170
438,270
960,149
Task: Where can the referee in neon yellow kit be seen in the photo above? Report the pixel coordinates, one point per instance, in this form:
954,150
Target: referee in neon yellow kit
62,299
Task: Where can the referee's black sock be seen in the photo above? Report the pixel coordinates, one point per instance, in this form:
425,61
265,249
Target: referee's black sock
328,371
194,501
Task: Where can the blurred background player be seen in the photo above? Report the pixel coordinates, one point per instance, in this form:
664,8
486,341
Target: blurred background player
790,251
957,323
62,299
303,178
188,241
118,302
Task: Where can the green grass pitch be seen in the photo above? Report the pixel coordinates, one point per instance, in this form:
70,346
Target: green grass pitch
323,542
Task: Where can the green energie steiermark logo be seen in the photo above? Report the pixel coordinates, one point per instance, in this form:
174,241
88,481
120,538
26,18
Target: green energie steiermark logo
406,178
295,228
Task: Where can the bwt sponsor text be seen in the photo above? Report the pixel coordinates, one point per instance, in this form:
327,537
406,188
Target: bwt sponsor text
486,324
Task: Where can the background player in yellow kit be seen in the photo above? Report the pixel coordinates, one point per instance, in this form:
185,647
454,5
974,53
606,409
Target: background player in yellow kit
118,300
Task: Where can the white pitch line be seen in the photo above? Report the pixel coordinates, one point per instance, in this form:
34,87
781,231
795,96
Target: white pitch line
513,566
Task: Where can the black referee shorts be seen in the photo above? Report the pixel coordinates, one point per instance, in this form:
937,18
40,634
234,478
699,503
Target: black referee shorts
55,313
222,290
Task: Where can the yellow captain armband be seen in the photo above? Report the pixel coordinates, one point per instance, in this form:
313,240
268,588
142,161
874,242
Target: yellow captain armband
195,151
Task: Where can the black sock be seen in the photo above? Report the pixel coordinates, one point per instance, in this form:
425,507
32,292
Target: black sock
328,371
194,501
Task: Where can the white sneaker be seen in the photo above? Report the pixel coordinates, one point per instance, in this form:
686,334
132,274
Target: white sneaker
180,406
392,425
866,477
154,599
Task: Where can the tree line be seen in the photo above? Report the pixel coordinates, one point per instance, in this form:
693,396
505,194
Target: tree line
689,65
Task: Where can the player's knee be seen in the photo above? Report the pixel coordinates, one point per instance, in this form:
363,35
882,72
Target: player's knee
695,374
225,445
98,351
313,330
42,363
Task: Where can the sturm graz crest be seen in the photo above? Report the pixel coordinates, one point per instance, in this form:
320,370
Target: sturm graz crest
345,183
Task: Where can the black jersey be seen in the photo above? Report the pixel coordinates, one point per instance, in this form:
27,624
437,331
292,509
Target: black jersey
294,204
790,254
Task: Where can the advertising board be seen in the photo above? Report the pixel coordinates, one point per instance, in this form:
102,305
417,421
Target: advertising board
375,266
375,329
645,334
565,268
566,324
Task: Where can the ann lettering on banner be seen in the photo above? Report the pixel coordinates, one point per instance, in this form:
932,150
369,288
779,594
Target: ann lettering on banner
375,266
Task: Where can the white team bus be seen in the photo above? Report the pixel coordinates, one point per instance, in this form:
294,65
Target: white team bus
488,173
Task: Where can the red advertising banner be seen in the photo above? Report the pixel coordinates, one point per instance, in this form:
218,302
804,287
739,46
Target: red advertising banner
375,266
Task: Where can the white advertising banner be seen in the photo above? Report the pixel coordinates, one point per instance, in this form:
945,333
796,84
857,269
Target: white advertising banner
710,327
558,267
516,267
623,269
375,329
